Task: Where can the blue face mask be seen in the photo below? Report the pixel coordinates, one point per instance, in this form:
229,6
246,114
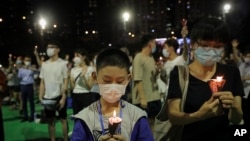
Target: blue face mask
153,49
18,62
208,56
165,53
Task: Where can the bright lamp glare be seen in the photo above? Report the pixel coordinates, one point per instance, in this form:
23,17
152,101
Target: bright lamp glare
126,16
43,23
227,8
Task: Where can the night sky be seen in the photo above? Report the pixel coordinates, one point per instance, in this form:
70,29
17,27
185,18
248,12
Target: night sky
238,20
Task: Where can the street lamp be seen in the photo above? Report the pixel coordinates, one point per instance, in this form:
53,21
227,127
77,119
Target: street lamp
125,17
42,23
226,9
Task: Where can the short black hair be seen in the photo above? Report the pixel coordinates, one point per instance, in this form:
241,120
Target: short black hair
112,57
145,39
55,42
210,28
173,43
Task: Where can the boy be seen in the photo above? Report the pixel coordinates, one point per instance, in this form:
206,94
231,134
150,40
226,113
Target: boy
91,123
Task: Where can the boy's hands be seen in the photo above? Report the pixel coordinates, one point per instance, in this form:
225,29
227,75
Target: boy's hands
108,137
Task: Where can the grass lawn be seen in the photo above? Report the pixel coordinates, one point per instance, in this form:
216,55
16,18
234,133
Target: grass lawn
28,131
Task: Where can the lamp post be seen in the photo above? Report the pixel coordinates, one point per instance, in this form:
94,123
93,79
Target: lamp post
125,17
42,23
226,9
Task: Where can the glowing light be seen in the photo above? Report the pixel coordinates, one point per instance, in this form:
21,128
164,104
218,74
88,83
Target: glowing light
226,7
43,23
125,16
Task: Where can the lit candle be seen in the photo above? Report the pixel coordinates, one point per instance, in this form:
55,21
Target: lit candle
114,122
219,79
217,84
184,22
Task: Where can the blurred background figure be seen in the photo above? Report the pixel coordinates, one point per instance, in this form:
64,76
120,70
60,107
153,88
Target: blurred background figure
26,76
81,81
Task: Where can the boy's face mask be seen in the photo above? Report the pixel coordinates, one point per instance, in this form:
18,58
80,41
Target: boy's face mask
112,92
50,52
165,53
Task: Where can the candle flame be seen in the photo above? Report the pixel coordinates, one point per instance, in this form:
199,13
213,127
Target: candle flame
114,114
219,78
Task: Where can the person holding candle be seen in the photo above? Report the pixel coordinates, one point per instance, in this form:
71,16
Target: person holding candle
92,123
206,112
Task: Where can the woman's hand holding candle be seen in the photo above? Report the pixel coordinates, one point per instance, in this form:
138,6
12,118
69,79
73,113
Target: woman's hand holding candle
226,98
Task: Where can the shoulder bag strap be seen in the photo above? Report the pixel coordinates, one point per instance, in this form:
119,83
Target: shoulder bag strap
77,76
183,80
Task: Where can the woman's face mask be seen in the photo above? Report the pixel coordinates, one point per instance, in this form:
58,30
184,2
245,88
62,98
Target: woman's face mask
208,56
77,60
112,92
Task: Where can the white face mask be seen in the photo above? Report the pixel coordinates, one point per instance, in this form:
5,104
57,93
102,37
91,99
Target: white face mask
50,52
27,63
77,60
165,53
112,92
247,60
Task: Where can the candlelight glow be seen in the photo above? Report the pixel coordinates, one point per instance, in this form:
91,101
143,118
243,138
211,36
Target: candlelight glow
219,78
114,114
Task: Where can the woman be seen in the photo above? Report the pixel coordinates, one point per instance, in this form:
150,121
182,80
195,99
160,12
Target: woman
207,114
81,81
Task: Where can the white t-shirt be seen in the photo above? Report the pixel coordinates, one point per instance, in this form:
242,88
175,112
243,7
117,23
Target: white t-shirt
169,65
53,74
245,72
80,84
143,70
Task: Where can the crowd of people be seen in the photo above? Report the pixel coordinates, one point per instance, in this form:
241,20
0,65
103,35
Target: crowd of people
136,87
